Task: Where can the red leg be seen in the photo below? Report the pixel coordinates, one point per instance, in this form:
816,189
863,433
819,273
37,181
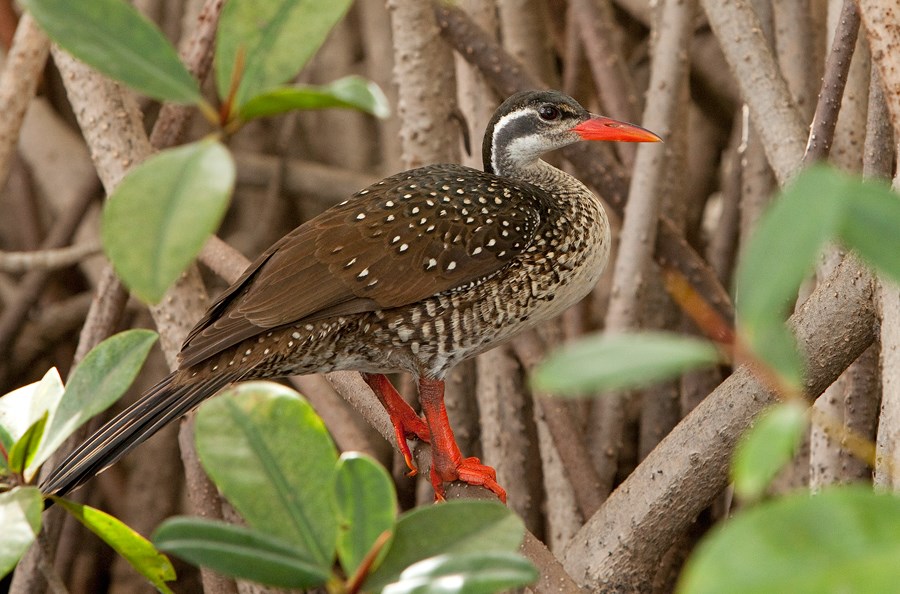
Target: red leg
404,419
447,463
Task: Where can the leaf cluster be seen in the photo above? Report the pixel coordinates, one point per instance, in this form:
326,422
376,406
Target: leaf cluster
832,542
305,507
165,209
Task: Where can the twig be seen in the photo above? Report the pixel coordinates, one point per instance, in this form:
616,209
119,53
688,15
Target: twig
668,76
603,46
837,65
19,79
50,259
15,313
565,432
762,86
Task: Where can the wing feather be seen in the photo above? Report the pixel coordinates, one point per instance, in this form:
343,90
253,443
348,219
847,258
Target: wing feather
404,239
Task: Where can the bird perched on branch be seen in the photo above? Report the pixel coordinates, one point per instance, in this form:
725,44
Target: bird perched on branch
415,273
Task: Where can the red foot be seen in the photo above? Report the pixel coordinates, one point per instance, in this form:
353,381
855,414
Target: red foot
469,470
406,422
447,463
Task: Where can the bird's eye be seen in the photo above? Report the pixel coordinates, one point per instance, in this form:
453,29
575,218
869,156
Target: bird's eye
549,112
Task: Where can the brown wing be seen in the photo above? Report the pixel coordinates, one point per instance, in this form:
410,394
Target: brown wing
408,237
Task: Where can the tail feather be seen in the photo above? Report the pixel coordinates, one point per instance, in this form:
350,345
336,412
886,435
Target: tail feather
160,405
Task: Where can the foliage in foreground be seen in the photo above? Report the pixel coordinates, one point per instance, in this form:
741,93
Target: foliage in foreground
840,540
305,507
313,518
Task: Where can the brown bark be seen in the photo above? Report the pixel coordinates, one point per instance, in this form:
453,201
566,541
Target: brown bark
621,545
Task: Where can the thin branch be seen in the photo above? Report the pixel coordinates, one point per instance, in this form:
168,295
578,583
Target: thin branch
50,259
837,65
762,86
566,434
19,79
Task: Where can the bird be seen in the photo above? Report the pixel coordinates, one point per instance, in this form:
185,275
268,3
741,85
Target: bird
416,273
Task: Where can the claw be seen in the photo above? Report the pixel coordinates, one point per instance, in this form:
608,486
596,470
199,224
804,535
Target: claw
406,422
468,470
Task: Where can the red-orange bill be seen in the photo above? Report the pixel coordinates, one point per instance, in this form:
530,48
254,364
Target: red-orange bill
601,128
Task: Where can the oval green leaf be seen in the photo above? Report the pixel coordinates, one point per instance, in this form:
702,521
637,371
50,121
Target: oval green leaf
766,448
617,361
273,459
450,528
351,92
162,213
112,37
239,552
366,504
465,573
99,380
137,550
845,539
870,226
23,451
781,254
20,516
275,39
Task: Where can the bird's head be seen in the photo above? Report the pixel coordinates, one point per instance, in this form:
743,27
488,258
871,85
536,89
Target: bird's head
532,123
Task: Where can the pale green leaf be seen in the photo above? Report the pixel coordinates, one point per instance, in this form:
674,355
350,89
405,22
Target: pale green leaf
871,226
450,528
841,540
465,573
766,448
162,213
20,408
23,451
366,504
239,552
136,549
780,255
617,361
351,92
273,459
20,517
99,380
275,37
112,37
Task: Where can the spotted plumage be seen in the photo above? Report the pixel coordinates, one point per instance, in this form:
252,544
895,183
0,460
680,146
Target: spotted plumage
417,272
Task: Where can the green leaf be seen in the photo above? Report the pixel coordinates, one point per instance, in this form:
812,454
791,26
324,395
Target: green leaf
450,528
20,408
20,516
465,573
366,504
352,92
239,552
99,380
780,255
272,458
766,448
275,37
870,226
112,37
136,549
23,451
616,361
162,213
844,539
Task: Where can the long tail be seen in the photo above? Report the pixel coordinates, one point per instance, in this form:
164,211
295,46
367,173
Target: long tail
163,403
